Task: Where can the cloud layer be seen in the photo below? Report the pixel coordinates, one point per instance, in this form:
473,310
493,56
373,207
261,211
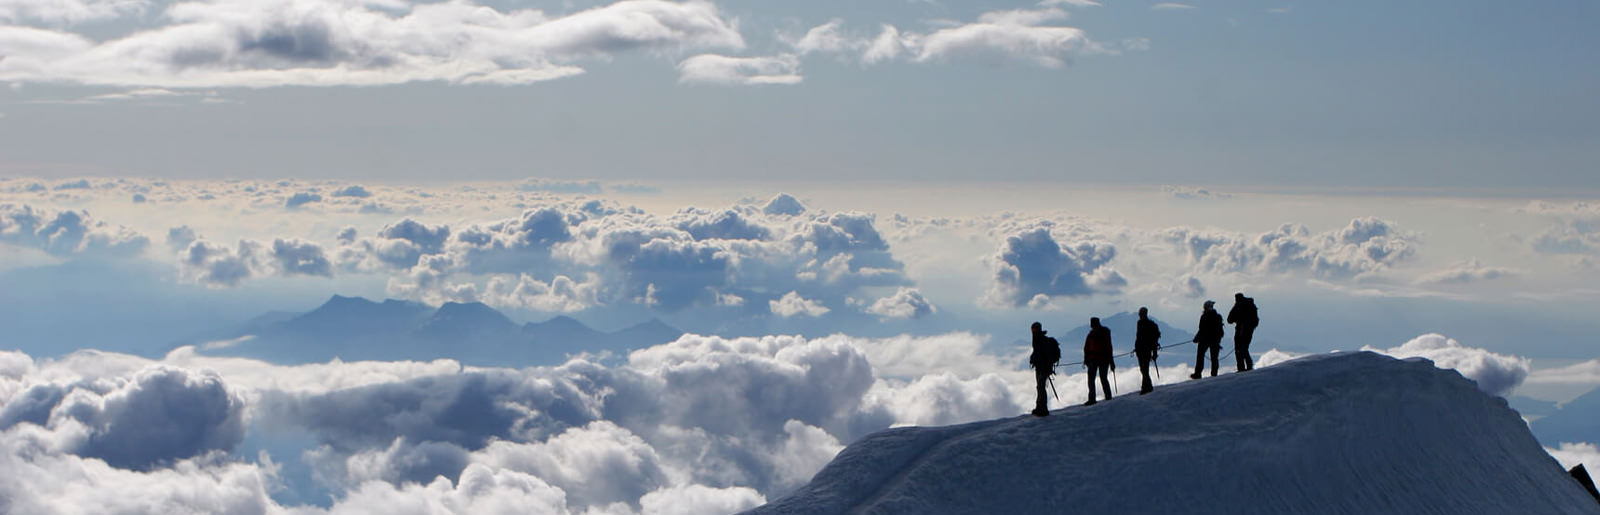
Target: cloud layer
699,425
225,43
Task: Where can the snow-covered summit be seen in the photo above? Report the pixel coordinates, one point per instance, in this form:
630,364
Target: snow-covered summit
1337,433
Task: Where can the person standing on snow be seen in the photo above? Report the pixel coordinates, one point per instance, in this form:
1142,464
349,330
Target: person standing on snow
1207,337
1097,357
1146,343
1046,352
1244,319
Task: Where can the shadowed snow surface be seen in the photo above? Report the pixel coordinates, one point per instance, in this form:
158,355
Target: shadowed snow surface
1337,433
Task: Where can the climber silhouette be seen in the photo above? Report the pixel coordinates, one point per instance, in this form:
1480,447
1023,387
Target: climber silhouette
1097,357
1146,343
1207,337
1046,352
1244,319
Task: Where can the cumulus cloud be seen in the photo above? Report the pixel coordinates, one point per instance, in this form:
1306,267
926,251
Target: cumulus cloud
353,190
905,303
1031,266
209,263
64,233
574,254
324,42
784,204
1496,374
1365,246
792,304
742,71
157,416
301,198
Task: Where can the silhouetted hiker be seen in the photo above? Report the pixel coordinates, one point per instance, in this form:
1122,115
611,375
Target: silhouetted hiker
1146,343
1097,357
1244,319
1046,352
1207,337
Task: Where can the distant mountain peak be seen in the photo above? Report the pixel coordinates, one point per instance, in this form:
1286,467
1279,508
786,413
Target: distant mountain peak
341,300
558,322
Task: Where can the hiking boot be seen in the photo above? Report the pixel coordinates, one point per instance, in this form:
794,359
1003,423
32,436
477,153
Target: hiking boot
1195,375
1041,413
1090,403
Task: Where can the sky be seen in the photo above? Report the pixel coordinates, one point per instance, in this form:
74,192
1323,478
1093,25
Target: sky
853,209
1478,95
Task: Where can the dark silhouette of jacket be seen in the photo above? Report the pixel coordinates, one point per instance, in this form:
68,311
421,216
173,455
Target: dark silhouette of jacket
1046,351
1244,318
1244,314
1148,337
1097,346
1210,332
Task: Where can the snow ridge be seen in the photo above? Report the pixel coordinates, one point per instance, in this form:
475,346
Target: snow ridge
1335,433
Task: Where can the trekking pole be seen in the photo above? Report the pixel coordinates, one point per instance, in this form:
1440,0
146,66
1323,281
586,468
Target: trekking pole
1052,381
1113,379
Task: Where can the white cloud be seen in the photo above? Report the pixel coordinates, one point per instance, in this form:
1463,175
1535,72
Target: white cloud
1170,6
1496,374
1031,266
827,38
1021,35
792,304
1006,34
1364,247
226,43
67,11
1587,372
1469,271
63,233
212,264
887,46
1571,454
701,424
745,71
905,303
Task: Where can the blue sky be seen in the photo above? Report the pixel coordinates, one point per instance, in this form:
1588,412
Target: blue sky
1425,94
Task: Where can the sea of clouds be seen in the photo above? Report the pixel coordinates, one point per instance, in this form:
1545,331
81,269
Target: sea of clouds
700,425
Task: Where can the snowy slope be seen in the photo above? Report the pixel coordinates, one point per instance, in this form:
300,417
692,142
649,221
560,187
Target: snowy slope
1337,433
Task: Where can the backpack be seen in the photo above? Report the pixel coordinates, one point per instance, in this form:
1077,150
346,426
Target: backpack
1097,345
1046,354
